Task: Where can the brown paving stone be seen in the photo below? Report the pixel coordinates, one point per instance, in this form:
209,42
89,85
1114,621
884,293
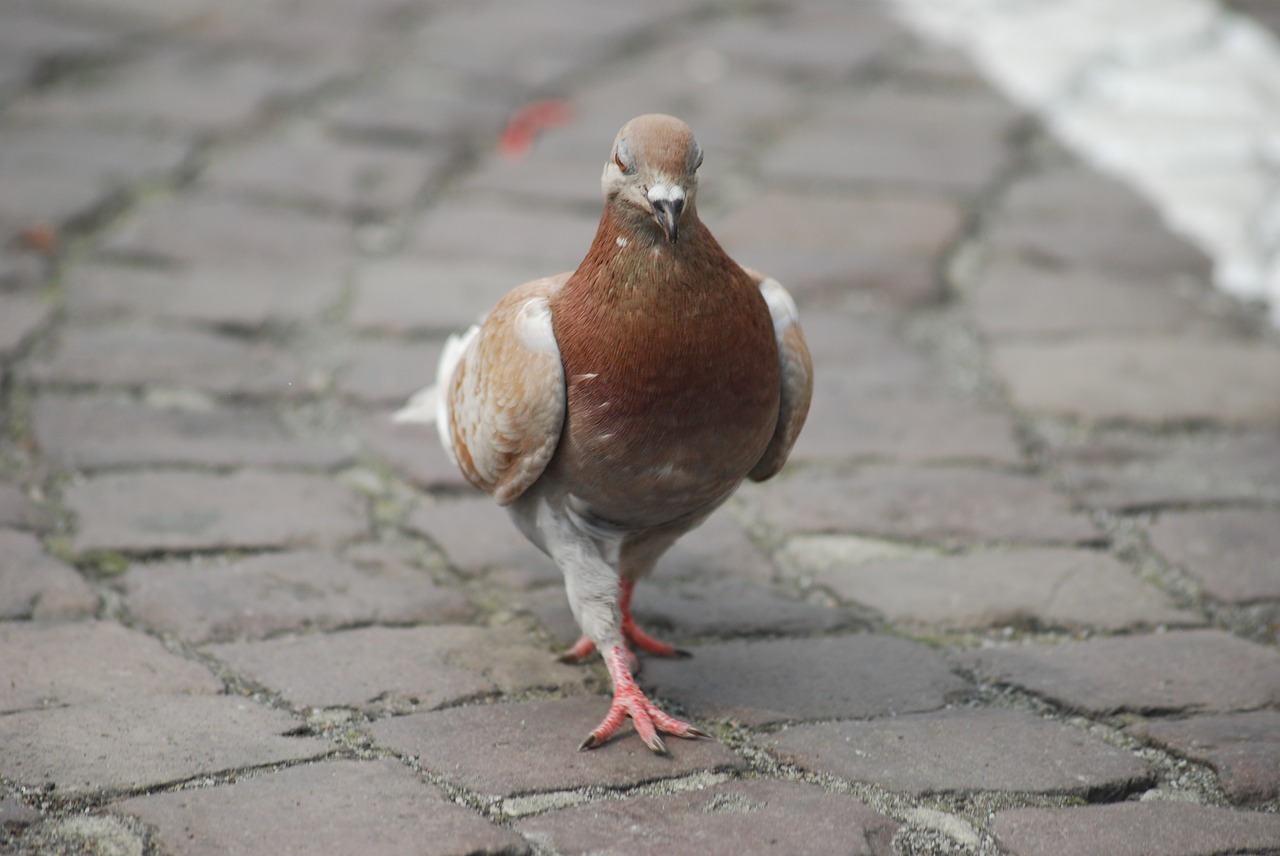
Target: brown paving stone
1135,829
511,749
1186,670
17,510
88,433
35,585
322,808
1234,553
48,665
209,229
1038,587
217,600
1127,470
950,751
404,295
21,317
1143,380
1243,748
162,511
399,668
388,372
226,292
778,680
141,355
753,816
136,742
944,505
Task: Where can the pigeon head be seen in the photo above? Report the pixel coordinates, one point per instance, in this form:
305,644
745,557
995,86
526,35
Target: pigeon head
651,177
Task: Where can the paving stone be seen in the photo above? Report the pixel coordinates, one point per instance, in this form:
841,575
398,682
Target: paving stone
388,372
761,682
136,742
1128,470
950,751
479,538
416,295
17,510
304,166
555,238
22,316
1143,380
227,293
752,816
34,585
335,807
1130,829
1040,587
89,433
209,229
135,355
1232,552
1242,748
819,244
897,144
394,669
944,505
863,359
407,105
260,596
1015,298
15,815
412,452
919,429
164,511
1188,670
49,665
531,747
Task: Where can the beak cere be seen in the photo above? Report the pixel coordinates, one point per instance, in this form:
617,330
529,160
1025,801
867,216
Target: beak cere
667,201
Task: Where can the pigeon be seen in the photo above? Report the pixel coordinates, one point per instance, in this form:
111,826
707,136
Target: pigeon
611,409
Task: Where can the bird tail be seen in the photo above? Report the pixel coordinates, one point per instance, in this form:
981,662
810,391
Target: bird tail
432,403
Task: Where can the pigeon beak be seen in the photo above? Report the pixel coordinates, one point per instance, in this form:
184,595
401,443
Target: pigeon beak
667,201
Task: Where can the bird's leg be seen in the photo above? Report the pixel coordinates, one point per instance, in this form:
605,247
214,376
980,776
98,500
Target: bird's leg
630,631
630,700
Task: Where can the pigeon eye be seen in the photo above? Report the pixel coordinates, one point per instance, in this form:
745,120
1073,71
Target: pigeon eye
622,164
622,157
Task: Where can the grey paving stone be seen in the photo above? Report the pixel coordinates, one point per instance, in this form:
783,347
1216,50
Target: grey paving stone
90,432
394,669
1130,829
17,510
863,359
406,105
950,751
35,585
168,511
479,538
1014,298
225,293
1040,587
1187,670
136,742
555,238
942,505
388,371
1130,470
778,680
1242,748
416,295
209,229
334,807
21,317
259,596
817,244
15,815
531,747
752,816
1160,380
139,355
1232,552
412,452
50,665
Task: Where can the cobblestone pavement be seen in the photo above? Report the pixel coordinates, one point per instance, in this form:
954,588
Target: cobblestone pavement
1017,592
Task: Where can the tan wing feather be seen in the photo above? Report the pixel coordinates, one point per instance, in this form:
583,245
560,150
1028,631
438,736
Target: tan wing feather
506,397
797,377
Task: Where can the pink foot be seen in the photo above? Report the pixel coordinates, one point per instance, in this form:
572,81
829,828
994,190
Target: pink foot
630,700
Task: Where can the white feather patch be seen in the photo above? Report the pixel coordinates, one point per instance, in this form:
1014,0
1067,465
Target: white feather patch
782,308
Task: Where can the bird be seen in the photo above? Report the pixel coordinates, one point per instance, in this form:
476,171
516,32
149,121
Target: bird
612,408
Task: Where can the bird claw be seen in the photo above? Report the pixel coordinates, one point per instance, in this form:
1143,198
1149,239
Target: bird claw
630,701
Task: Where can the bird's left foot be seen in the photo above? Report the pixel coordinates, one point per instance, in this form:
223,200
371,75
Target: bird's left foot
630,700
